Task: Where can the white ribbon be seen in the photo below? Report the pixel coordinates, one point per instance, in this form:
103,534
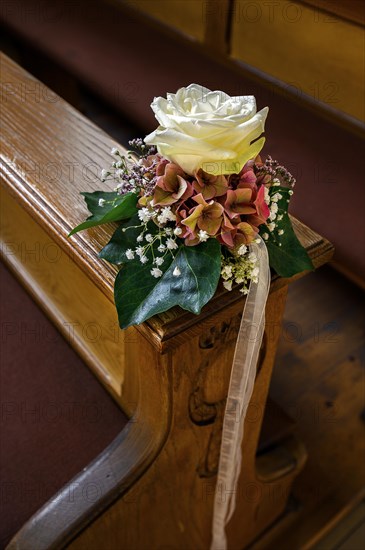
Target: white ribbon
239,394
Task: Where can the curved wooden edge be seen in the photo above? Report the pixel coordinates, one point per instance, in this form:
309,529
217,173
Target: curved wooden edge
112,473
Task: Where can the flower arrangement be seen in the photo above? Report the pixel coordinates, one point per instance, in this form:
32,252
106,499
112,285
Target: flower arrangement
190,199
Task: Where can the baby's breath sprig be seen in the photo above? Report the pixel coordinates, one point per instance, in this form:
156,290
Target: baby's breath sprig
133,174
239,266
141,148
154,245
276,171
277,198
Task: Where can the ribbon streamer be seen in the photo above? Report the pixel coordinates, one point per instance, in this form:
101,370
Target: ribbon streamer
240,390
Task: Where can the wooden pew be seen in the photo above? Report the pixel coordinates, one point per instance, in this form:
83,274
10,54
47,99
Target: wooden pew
153,487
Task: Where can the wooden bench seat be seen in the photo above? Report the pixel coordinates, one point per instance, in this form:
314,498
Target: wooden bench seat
155,482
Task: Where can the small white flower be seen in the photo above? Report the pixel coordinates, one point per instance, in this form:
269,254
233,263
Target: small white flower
156,272
227,272
274,207
101,202
149,238
168,231
176,272
252,257
104,174
177,231
271,226
171,244
239,280
227,285
266,195
290,192
114,151
143,259
265,236
203,236
144,215
242,250
166,211
130,254
161,248
119,164
255,272
244,291
280,217
276,197
281,232
159,261
276,182
139,251
166,215
272,216
140,238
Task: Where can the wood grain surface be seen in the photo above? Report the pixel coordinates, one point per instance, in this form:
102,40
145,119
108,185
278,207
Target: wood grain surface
316,53
70,299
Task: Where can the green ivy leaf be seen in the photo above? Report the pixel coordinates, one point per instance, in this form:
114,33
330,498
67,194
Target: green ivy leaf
291,257
116,207
138,295
124,237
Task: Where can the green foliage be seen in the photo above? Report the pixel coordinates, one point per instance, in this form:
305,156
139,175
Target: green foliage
286,254
124,237
116,207
138,295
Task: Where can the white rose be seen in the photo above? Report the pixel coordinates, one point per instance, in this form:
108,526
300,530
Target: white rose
208,130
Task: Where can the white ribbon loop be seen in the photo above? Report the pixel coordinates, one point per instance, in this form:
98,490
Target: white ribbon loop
241,385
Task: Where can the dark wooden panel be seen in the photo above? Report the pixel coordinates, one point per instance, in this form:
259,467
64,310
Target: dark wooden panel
353,10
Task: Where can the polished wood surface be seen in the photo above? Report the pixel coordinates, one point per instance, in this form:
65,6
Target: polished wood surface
156,481
319,381
353,10
317,54
70,299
